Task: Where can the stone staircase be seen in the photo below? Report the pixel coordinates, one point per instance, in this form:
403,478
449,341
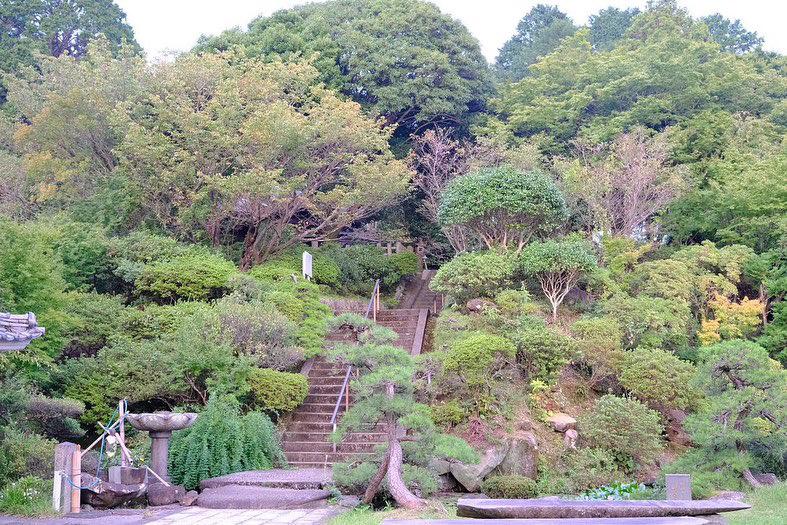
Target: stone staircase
306,440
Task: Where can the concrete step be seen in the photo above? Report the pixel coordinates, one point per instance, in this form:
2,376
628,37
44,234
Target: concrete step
251,497
322,457
312,446
325,437
273,478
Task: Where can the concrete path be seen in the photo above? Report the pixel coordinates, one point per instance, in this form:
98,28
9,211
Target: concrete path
201,516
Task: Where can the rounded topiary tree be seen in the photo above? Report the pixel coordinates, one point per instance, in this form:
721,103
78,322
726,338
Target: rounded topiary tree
558,265
504,207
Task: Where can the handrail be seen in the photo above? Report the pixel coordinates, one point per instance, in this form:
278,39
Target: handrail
344,394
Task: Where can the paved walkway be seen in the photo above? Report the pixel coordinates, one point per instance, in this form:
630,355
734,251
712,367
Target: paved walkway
200,516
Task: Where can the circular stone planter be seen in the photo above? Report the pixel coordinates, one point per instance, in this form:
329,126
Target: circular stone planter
160,426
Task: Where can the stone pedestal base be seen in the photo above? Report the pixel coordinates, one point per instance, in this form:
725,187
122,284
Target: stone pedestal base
159,453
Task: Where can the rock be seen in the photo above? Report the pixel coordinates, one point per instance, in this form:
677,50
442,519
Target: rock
439,466
478,305
106,495
767,478
471,476
562,422
521,458
447,483
525,425
189,498
563,508
160,494
730,495
349,502
570,438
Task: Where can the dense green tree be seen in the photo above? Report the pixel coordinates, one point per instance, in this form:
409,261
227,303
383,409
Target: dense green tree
731,36
403,59
609,26
503,207
537,35
667,71
742,427
56,27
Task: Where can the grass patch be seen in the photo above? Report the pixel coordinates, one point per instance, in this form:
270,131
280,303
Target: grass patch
30,496
367,516
769,507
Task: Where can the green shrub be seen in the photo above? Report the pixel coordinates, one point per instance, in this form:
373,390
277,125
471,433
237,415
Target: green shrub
542,352
277,391
275,271
132,253
514,303
588,468
510,487
300,303
94,320
405,263
152,320
599,344
650,321
476,274
30,496
474,356
24,454
659,378
625,427
354,478
448,414
222,441
84,250
193,277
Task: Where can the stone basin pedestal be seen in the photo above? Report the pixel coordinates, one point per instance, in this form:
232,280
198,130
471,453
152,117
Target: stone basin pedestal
160,426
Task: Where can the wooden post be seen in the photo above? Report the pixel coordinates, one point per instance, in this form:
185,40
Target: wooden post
122,416
76,479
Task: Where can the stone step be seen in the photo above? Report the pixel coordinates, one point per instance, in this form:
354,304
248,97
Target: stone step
323,457
273,478
324,427
316,446
314,417
328,390
252,497
325,437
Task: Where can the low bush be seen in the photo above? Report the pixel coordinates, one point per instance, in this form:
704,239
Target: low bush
659,379
448,414
94,320
542,352
277,391
650,321
598,342
514,303
588,468
222,442
24,454
625,427
30,496
475,356
510,487
191,277
300,303
55,418
476,274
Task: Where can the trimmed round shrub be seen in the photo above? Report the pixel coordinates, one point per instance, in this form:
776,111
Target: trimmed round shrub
542,352
658,378
510,487
473,356
476,274
625,427
194,277
448,414
277,391
515,303
599,345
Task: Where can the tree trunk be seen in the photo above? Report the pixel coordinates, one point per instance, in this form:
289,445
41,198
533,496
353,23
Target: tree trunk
396,485
376,481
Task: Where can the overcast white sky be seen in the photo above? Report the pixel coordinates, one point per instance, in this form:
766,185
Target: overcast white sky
163,26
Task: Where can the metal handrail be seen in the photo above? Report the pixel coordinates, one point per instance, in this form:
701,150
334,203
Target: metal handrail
344,395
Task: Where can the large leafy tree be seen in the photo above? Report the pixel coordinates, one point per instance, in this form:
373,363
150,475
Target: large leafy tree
403,59
257,152
609,26
665,70
537,35
57,27
731,36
